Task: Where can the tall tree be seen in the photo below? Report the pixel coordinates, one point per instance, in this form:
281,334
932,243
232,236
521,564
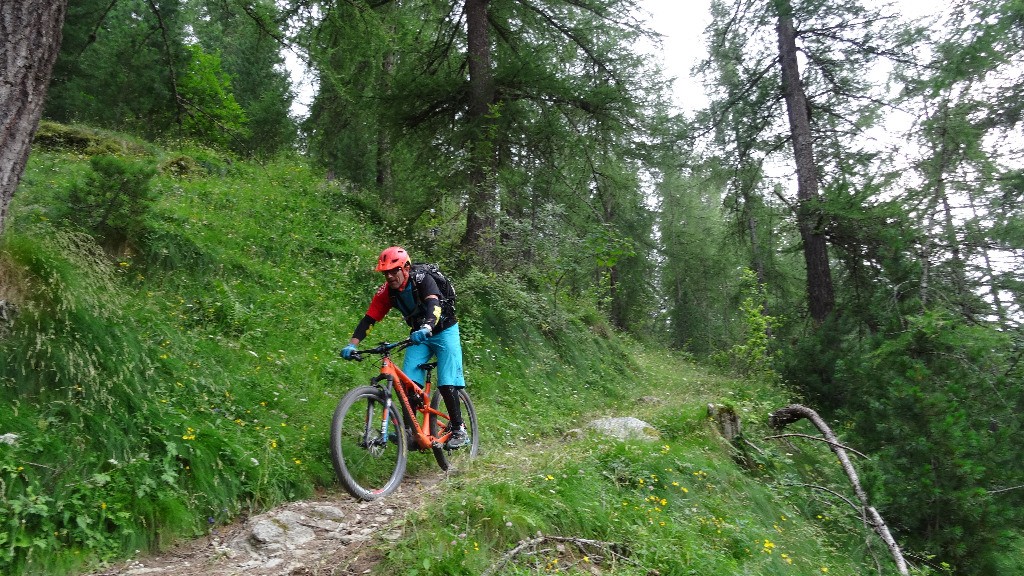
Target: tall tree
749,140
820,294
482,209
970,96
248,40
514,123
30,38
830,105
352,50
120,66
156,66
701,255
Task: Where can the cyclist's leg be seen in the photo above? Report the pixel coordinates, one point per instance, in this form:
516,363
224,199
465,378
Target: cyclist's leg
414,356
448,346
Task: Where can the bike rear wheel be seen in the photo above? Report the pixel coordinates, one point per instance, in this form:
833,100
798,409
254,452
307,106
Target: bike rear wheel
368,464
454,458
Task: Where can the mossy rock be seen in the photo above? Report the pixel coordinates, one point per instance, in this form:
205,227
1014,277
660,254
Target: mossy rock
181,166
54,136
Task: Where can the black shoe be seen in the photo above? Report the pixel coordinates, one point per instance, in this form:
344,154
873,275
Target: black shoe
458,437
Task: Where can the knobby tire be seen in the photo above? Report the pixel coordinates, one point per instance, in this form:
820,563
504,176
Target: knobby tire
367,465
455,458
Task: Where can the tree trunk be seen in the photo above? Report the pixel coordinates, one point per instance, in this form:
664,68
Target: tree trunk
820,294
30,36
481,214
385,176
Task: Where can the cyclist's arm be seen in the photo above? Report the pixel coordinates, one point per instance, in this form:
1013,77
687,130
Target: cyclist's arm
430,297
379,307
431,312
361,330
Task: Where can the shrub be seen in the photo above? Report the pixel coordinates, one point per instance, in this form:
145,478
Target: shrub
753,356
112,200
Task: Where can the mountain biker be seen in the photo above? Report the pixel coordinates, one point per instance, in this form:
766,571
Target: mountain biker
433,333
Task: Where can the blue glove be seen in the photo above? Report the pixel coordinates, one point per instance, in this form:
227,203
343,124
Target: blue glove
347,351
420,336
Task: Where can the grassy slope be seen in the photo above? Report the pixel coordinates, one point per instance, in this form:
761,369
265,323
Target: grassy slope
173,385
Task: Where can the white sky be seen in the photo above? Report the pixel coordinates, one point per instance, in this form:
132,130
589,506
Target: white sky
681,24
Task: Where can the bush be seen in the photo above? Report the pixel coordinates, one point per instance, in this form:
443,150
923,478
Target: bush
944,426
752,357
113,199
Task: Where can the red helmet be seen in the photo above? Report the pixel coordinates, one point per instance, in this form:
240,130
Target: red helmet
392,258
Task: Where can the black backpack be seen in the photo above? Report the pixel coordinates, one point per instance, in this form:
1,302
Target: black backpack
443,285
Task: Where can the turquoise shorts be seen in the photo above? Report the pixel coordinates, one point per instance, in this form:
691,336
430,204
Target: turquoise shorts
447,347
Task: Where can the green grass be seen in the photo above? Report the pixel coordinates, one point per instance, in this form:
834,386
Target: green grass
680,504
163,386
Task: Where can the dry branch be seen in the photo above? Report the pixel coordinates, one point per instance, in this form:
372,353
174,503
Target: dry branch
529,547
809,437
1005,489
830,491
795,412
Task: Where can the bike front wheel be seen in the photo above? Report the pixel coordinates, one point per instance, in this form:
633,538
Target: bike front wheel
368,449
452,459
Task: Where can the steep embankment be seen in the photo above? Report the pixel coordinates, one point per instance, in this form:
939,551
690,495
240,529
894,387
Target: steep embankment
172,369
677,499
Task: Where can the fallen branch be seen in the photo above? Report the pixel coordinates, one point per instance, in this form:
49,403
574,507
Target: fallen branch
754,446
850,503
1005,489
783,416
830,491
809,437
529,547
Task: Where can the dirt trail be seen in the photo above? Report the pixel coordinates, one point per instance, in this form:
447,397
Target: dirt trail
333,535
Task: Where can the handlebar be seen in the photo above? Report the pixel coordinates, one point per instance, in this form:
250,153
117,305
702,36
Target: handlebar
381,349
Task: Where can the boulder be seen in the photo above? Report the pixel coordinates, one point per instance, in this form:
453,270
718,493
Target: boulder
625,428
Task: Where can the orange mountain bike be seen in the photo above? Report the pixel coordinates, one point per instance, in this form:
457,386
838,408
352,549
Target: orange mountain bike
375,426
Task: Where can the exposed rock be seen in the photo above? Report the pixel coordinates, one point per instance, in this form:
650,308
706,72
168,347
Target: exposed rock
298,538
280,531
625,428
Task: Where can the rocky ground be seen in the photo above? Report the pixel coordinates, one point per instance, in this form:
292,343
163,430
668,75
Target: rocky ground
330,535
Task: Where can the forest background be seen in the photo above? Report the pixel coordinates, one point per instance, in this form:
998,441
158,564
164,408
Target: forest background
533,140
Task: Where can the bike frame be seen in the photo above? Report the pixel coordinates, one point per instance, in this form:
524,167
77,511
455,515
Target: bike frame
371,460
393,375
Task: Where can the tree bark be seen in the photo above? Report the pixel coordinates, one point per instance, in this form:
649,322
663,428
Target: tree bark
783,416
820,293
481,213
30,37
385,175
